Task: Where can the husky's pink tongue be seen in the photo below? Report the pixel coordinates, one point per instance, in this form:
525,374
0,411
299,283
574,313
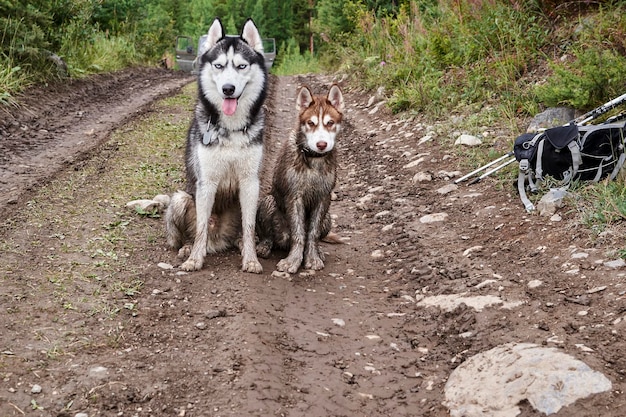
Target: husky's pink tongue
229,106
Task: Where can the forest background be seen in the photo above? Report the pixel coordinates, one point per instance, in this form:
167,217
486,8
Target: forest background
492,61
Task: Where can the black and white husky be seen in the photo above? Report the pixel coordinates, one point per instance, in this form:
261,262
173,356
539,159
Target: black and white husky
224,152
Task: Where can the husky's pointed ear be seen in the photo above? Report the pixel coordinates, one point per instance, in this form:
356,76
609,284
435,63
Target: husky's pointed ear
251,34
216,32
336,97
305,98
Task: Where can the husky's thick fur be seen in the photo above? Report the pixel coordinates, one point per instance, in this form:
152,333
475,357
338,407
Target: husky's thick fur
294,215
224,152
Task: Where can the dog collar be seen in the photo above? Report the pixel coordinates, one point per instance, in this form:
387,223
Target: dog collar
312,154
212,136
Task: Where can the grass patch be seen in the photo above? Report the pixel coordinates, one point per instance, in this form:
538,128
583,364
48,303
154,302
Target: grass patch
90,250
291,61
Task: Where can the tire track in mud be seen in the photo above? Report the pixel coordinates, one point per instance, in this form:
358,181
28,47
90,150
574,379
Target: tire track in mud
63,122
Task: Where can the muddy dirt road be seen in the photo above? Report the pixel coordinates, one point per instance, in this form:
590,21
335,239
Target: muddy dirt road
96,323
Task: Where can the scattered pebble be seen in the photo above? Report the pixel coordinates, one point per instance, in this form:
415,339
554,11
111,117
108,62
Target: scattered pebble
596,289
278,274
36,389
433,218
616,264
339,322
165,266
422,177
468,140
447,189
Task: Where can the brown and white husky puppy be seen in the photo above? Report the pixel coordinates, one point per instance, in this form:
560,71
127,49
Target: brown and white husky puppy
294,215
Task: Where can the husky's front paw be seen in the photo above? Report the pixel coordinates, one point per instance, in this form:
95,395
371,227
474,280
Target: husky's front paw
192,264
288,265
314,262
254,267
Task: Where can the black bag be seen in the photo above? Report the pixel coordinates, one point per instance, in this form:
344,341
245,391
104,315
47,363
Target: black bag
566,153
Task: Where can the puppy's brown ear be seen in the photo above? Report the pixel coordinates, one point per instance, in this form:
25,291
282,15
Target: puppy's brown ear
304,100
336,97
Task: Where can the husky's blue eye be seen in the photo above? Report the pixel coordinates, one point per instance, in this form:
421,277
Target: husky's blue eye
218,66
242,66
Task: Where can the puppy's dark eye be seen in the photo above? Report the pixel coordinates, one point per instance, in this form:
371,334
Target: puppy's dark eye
242,66
330,123
218,66
310,123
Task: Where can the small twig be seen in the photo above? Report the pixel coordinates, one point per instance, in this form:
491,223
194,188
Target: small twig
17,408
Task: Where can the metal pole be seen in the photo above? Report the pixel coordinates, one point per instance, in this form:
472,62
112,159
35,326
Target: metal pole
466,176
486,174
589,116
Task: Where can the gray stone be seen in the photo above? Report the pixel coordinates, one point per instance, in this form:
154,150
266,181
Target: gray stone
493,383
551,201
552,117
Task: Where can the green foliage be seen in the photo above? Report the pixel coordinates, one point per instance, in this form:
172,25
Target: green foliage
593,66
292,61
603,204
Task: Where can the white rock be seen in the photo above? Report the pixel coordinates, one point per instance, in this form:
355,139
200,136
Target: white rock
98,371
278,274
425,139
449,302
378,254
164,265
551,201
471,250
449,174
414,163
616,264
534,283
485,283
145,205
468,140
433,218
422,177
596,289
36,389
339,322
447,189
493,383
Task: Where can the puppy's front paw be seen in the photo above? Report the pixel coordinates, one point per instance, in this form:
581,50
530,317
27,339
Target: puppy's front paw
263,249
254,267
184,252
192,264
287,265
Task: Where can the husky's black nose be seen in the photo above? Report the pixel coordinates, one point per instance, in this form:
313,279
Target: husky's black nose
228,90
